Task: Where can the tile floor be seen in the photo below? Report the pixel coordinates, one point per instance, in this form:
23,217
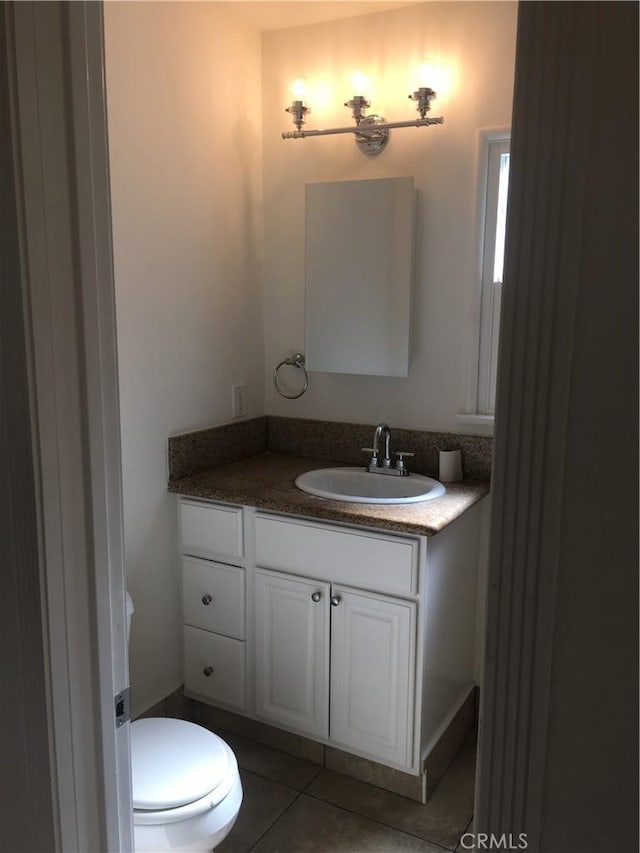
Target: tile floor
291,806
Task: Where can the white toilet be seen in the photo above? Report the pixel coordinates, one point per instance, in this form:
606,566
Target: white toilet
186,786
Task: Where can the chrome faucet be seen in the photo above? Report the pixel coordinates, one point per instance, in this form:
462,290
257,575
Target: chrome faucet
385,465
382,429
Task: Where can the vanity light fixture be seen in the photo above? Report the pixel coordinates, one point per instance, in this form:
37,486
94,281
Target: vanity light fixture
371,131
298,108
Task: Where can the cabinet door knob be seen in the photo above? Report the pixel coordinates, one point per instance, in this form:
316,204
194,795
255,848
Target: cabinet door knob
316,596
208,671
335,600
207,599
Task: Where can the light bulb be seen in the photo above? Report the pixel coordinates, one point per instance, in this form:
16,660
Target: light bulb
425,75
299,89
359,82
435,74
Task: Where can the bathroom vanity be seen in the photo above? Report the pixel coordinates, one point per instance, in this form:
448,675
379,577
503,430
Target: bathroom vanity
352,625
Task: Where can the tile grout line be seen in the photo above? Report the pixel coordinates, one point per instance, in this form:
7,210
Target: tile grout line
380,823
305,790
467,829
348,811
283,813
275,821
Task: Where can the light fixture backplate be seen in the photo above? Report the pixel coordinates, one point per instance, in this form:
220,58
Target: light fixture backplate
369,138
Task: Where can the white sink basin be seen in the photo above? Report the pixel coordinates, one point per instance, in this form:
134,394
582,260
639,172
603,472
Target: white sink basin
358,485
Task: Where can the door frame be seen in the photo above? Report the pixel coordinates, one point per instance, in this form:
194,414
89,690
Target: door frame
59,129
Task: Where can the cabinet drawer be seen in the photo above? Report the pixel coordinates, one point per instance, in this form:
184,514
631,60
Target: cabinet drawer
211,528
213,596
223,658
368,560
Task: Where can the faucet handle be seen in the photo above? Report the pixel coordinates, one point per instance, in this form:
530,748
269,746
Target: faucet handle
400,463
373,459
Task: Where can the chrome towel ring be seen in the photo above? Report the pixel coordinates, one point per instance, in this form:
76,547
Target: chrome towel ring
296,360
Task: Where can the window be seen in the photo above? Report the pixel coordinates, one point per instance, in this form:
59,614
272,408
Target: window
496,166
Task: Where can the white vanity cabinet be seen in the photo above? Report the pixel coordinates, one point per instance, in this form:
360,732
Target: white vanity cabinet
360,639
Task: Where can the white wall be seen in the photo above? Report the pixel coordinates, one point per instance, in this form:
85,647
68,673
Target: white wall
187,184
186,170
475,44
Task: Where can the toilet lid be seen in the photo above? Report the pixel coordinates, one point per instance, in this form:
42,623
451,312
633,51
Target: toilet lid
174,762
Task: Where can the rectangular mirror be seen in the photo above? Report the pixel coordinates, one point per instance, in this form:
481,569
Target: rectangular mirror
358,271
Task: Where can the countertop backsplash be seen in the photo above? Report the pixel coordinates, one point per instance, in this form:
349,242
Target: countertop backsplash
202,450
194,452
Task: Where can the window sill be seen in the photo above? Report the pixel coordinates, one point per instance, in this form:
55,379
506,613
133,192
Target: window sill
482,423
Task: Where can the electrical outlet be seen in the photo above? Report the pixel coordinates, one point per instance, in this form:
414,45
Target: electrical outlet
239,400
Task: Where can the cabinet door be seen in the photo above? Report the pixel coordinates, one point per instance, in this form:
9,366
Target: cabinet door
372,674
292,652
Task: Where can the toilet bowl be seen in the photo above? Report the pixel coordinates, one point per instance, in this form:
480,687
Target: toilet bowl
186,787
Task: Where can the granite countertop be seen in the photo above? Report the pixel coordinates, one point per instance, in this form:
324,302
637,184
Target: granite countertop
266,482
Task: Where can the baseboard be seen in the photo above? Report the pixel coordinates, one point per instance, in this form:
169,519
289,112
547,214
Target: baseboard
452,736
176,704
220,719
364,769
396,781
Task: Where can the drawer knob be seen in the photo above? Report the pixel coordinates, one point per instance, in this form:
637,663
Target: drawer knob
208,671
335,600
207,599
316,596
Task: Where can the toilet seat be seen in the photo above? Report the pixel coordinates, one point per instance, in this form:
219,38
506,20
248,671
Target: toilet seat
179,770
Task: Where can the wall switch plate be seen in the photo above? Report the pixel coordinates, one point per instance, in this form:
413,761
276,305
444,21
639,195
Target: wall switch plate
239,400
